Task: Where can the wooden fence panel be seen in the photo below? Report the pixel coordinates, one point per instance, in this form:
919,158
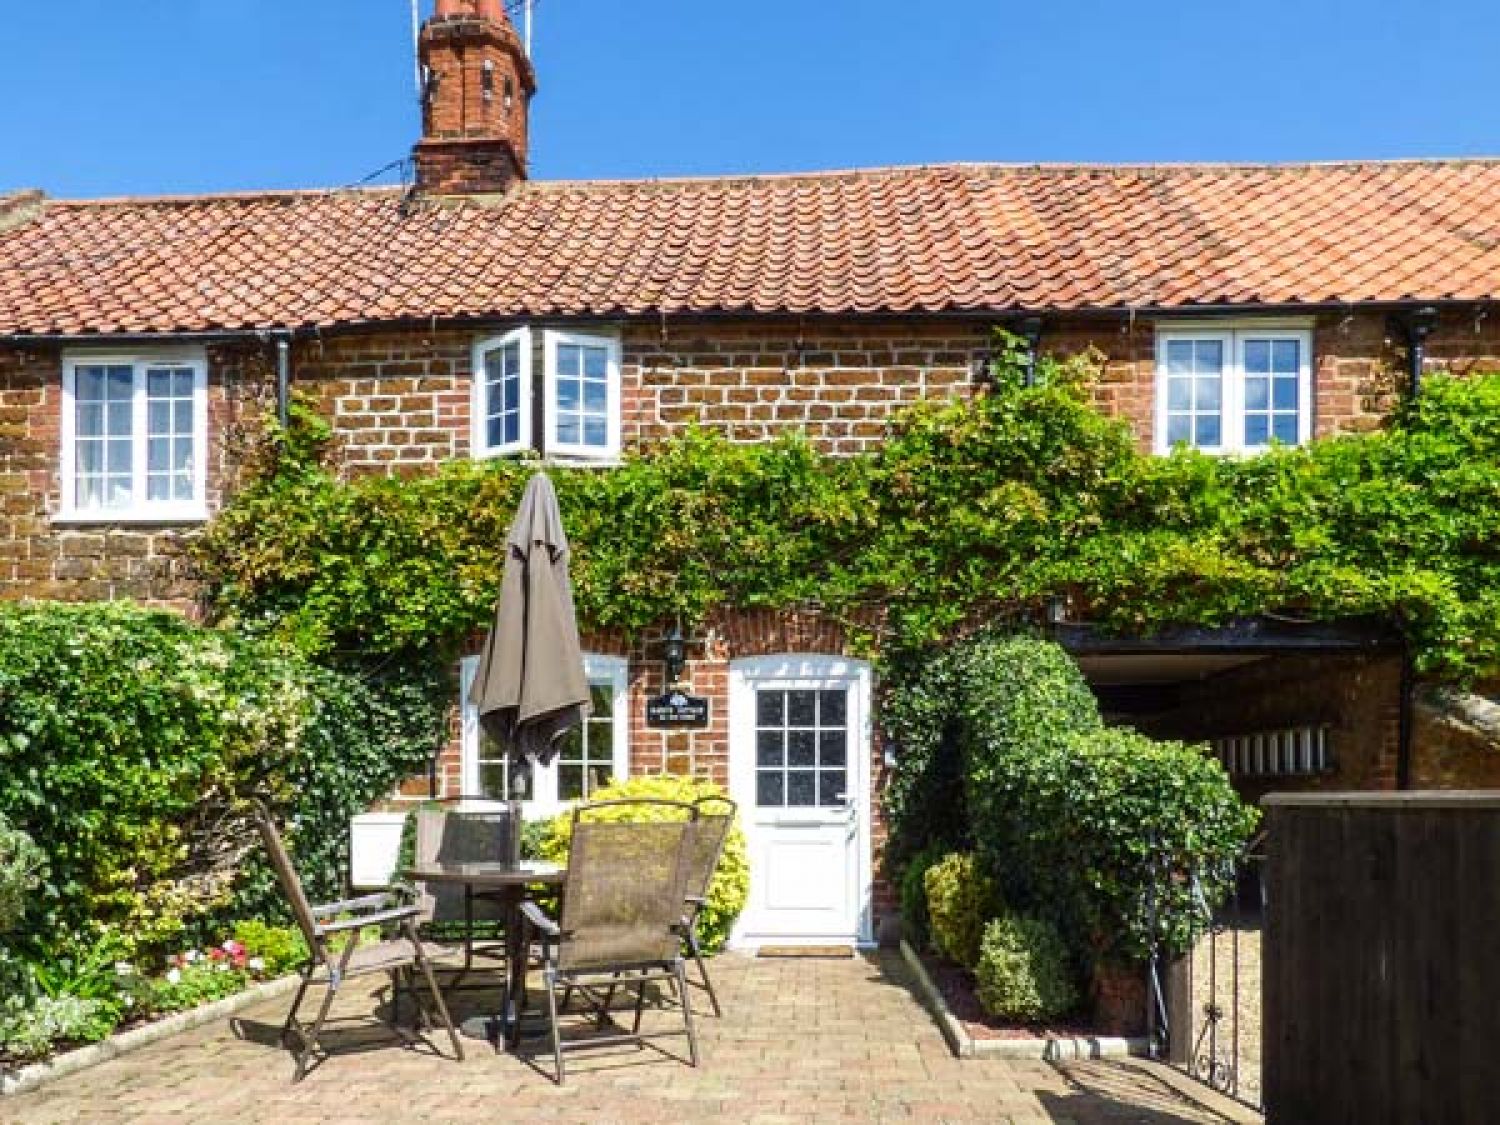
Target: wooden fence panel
1382,991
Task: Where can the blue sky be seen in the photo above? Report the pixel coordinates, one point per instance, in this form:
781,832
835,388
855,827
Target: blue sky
105,97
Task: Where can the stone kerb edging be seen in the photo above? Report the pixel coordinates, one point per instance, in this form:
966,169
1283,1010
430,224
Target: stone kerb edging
39,1074
966,1046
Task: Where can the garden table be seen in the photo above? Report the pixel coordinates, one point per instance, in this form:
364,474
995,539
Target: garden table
507,882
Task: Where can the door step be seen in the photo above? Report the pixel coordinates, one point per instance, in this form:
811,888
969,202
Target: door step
813,952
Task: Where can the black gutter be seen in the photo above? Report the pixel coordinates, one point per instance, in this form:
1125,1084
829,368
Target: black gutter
1416,325
283,376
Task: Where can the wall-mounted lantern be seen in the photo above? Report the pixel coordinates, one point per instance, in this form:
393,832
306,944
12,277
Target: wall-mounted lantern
674,654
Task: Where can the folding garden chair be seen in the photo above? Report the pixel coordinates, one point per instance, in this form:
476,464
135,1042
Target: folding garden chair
619,922
330,966
704,849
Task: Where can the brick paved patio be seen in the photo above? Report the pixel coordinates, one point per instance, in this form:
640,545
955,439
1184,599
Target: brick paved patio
803,1041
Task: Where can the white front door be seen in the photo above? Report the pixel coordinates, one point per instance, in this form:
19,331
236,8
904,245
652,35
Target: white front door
799,760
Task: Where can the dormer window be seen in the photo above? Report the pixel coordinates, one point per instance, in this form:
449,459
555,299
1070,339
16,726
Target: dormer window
572,412
134,436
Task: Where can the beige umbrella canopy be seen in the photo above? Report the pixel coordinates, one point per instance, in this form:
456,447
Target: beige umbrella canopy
531,687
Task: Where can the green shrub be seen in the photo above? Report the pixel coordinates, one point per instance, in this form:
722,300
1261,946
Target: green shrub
186,986
1024,970
130,740
30,1031
280,948
960,899
915,925
730,888
22,868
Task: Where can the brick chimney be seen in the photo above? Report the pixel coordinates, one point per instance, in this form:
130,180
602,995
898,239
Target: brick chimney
478,85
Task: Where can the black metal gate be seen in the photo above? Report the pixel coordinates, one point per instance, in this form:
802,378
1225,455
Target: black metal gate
1206,1010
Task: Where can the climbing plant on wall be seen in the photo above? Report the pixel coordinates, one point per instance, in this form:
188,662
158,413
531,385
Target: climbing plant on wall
982,507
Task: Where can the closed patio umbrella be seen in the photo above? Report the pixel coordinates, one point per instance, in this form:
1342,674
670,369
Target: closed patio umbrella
530,688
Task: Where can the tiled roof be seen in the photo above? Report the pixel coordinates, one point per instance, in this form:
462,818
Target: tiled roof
945,238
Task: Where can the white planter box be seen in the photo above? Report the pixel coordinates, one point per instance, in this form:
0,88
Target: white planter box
374,844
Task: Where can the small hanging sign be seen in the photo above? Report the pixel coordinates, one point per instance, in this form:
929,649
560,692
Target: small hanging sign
677,709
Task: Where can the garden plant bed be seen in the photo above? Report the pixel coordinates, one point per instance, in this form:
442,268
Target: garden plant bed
948,992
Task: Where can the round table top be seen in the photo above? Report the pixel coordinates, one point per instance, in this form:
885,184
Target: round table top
487,874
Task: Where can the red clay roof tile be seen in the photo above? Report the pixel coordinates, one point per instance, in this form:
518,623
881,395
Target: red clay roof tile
947,238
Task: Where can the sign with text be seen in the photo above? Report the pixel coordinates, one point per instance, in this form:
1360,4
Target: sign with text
677,709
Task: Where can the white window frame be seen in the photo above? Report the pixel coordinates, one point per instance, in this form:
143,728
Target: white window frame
610,671
479,407
552,340
1232,335
140,510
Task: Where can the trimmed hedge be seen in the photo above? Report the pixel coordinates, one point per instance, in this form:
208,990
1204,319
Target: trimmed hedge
130,740
1024,971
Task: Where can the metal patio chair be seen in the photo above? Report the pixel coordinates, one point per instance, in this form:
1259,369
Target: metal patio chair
618,924
467,830
704,849
331,966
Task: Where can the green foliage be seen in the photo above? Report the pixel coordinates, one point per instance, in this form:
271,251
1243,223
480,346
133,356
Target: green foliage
1096,828
960,899
280,949
22,868
30,1031
130,739
989,505
730,888
184,987
916,926
1024,970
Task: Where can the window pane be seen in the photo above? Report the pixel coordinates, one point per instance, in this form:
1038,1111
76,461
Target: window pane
1206,431
602,696
831,788
569,361
802,748
833,707
492,781
119,420
769,748
90,420
1257,429
1257,393
119,384
158,487
802,708
90,456
495,432
569,782
1179,429
158,454
182,417
596,362
568,394
159,383
159,418
833,748
89,384
118,456
1286,394
1286,358
595,397
1208,394
1179,394
801,788
1286,428
769,708
1209,356
1179,357
769,790
568,430
595,433
1257,357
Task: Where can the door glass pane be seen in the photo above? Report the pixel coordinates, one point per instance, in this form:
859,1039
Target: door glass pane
769,708
802,748
801,788
769,791
831,789
802,708
831,747
770,750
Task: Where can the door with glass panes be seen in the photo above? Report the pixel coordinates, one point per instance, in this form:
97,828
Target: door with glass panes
799,768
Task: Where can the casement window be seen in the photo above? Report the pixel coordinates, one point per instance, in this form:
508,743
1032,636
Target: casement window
571,411
589,757
134,436
1233,389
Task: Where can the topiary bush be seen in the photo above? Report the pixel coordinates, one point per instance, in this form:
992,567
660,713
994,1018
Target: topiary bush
730,889
1024,970
960,899
916,926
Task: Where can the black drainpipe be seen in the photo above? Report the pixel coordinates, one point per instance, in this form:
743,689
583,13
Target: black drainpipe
1416,326
283,376
1030,330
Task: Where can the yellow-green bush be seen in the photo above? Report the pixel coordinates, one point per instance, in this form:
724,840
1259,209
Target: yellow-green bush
960,899
1023,970
730,888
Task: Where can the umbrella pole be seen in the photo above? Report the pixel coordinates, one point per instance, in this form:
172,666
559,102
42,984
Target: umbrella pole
517,794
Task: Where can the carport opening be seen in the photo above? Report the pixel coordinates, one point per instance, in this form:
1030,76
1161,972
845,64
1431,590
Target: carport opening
1284,706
